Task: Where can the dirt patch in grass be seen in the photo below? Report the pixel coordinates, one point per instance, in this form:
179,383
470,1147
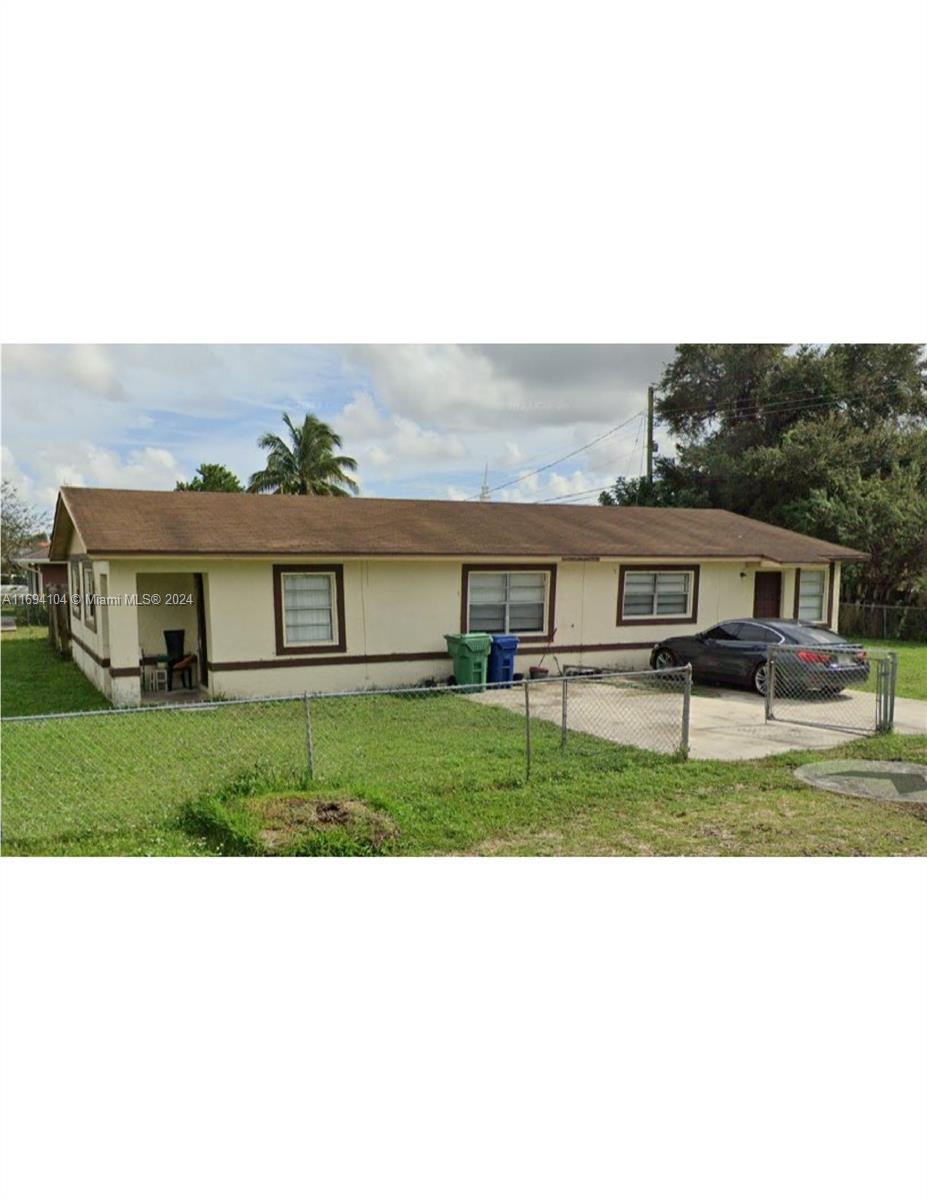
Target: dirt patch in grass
247,819
284,822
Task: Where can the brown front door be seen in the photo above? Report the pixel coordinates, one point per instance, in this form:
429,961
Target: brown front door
767,594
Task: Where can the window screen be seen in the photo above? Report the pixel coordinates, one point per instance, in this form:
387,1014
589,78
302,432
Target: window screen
507,601
811,596
75,582
657,593
90,616
307,609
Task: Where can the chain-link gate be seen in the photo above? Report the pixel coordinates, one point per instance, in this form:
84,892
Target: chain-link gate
834,685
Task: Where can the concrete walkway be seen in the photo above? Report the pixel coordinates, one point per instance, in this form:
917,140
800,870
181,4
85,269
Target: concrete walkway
723,723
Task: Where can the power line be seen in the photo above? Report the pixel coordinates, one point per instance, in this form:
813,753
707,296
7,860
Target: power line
782,406
634,448
572,495
808,400
556,462
777,407
555,499
589,491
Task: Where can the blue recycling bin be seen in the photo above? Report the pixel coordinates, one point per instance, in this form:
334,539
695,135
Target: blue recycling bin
502,658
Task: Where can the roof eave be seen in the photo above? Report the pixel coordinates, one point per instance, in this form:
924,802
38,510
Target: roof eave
59,552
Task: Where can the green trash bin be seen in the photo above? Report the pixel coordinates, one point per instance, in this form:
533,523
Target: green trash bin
470,652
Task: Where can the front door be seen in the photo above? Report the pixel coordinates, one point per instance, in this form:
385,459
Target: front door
767,594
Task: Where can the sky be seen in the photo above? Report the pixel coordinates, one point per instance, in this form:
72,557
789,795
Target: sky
422,421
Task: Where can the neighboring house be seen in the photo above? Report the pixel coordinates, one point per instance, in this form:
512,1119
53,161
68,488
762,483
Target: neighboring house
43,574
285,594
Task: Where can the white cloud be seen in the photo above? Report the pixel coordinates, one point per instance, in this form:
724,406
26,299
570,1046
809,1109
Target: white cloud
390,442
11,471
512,387
94,370
89,368
87,465
421,420
511,456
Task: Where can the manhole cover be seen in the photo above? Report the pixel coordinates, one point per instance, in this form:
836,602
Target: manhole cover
870,780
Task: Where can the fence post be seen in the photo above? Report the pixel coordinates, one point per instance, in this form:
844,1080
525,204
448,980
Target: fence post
893,657
686,707
770,683
563,713
886,678
879,690
310,750
527,733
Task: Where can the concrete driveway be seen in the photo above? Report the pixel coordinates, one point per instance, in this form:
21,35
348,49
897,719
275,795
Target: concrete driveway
729,724
723,723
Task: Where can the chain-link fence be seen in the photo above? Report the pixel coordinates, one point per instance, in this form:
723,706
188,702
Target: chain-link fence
904,622
839,686
595,714
89,774
25,610
77,773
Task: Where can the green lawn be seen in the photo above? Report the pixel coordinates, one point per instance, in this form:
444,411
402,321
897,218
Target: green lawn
449,774
34,680
912,667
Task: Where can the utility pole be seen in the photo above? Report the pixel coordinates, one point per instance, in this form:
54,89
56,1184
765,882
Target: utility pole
650,434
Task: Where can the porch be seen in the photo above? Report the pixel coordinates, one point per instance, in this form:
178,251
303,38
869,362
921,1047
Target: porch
172,651
178,695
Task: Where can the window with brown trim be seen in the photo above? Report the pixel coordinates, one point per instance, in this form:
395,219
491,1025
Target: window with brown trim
74,583
509,598
309,608
658,594
810,592
90,612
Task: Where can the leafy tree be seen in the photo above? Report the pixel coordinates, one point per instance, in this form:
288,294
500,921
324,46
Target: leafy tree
764,389
831,441
306,465
861,487
20,527
211,477
659,494
878,382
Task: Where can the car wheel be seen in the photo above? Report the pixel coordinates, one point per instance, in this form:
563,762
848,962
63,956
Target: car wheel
761,678
663,659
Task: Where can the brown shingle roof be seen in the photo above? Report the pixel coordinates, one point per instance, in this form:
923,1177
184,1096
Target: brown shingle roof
113,522
37,553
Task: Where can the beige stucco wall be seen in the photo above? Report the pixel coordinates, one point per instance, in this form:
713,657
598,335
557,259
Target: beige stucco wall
392,607
90,643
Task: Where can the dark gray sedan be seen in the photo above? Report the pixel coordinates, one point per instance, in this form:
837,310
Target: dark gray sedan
736,651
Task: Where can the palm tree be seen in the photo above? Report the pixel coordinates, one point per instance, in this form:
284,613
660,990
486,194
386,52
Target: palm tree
307,465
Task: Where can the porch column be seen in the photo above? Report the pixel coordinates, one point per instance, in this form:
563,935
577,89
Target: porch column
125,673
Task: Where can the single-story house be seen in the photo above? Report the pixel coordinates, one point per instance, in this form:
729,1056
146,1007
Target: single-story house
284,594
43,574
